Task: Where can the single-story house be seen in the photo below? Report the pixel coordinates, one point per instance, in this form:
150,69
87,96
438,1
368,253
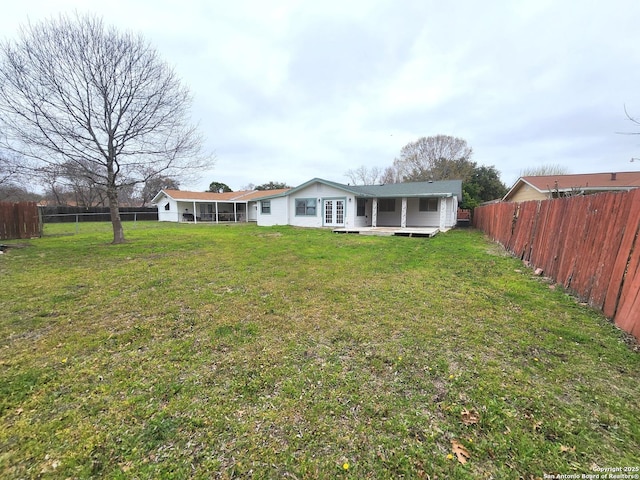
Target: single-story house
322,203
542,187
184,206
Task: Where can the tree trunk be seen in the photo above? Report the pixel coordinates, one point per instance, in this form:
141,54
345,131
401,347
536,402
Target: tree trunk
114,210
83,102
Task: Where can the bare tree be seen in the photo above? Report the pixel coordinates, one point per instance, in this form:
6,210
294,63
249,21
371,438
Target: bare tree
154,185
440,157
54,189
542,170
11,192
364,175
634,120
129,195
75,92
390,175
8,168
82,179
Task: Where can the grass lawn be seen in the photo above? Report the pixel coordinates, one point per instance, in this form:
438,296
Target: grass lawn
237,351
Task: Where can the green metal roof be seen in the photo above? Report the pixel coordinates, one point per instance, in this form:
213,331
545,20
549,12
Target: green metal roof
444,188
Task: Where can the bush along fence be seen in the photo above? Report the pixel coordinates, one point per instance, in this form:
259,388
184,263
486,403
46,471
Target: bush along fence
589,244
19,220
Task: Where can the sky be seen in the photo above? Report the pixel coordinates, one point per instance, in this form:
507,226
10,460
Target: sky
290,90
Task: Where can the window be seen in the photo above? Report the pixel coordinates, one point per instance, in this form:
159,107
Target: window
328,212
360,207
387,205
306,206
428,205
339,211
265,207
167,206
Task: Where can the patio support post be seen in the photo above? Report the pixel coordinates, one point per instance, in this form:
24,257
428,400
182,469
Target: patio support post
403,213
216,212
374,212
195,219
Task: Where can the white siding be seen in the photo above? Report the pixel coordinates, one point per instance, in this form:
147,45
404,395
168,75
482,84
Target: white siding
452,211
252,211
278,215
176,209
206,210
184,207
320,192
283,210
171,215
304,220
351,208
389,219
444,217
364,221
416,218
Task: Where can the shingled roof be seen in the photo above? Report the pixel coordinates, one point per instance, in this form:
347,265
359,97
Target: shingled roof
412,189
240,196
600,181
586,182
445,188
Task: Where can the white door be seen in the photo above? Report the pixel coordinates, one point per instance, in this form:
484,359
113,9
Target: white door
334,213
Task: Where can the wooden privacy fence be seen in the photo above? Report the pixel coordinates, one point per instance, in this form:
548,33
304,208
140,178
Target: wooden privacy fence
19,220
589,244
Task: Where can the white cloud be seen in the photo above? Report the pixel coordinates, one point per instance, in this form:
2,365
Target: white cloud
289,90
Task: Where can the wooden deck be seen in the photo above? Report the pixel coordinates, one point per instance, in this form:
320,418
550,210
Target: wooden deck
390,231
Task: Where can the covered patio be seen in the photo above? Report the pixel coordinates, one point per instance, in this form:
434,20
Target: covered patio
208,207
213,212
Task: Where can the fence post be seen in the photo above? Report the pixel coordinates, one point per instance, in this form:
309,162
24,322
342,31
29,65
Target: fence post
40,222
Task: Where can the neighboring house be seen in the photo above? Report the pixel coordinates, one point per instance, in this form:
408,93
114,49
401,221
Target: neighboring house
322,203
183,206
553,186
